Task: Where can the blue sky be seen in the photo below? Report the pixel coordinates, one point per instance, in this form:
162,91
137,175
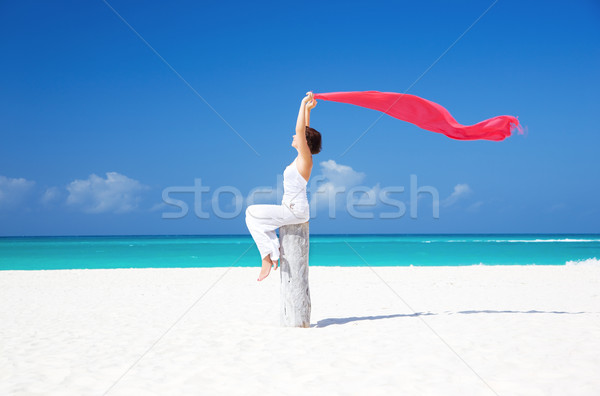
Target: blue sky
94,125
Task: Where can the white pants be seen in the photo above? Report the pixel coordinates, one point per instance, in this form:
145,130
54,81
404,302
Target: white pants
263,220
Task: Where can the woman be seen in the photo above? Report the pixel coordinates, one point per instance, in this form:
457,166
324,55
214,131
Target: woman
263,220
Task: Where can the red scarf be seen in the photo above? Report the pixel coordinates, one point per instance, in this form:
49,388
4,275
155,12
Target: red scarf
426,114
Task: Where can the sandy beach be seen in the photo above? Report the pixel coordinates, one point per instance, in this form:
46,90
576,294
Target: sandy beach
477,330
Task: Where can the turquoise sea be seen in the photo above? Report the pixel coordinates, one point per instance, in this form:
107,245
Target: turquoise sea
45,253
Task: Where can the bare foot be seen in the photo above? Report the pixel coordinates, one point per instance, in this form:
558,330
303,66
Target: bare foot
266,268
275,263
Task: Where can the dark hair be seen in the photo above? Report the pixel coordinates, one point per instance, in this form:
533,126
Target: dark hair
313,138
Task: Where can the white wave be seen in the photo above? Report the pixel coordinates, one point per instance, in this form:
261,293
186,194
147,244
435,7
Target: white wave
551,240
523,240
590,261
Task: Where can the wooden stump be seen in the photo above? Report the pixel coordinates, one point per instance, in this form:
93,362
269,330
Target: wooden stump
295,294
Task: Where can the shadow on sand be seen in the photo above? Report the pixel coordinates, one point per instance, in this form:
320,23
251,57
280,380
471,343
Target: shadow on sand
340,321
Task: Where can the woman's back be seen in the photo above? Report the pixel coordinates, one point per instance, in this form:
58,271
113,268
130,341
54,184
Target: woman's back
304,166
294,186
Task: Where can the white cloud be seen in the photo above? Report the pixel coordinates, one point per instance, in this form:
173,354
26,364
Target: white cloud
51,194
334,182
13,191
328,188
116,193
475,206
341,175
369,196
460,191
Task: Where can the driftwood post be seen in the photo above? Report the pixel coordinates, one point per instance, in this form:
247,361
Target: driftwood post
295,294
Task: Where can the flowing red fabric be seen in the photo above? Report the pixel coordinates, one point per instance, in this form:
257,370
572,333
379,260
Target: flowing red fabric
426,114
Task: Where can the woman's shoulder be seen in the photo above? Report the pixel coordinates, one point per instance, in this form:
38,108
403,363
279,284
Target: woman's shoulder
303,162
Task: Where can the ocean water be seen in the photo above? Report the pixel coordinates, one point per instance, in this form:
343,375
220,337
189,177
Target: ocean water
46,253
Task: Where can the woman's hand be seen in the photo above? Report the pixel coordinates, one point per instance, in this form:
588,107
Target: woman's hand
311,105
308,97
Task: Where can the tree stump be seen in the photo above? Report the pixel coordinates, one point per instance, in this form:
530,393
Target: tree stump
295,294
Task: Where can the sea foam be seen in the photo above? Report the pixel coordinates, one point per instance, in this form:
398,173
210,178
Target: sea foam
590,261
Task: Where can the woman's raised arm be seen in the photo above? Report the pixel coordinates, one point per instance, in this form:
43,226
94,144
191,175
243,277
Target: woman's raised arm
301,121
301,127
309,106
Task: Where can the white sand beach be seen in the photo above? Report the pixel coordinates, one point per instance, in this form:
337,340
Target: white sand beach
479,330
